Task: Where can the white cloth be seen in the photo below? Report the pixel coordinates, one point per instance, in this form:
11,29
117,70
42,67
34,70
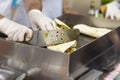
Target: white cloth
113,10
52,8
5,6
20,15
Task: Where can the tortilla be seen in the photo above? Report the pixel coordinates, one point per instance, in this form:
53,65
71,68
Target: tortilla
65,47
91,31
60,25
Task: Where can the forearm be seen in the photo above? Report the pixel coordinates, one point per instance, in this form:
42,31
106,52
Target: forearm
32,4
67,8
64,6
1,16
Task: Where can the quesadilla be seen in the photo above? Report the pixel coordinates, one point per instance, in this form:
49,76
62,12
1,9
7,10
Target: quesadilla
65,47
60,24
91,31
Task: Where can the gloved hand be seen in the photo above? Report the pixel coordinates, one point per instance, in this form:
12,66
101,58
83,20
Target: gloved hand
113,10
40,21
15,31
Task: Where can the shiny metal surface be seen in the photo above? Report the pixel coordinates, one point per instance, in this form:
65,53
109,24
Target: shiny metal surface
91,75
8,73
101,54
89,48
42,64
5,75
51,65
53,37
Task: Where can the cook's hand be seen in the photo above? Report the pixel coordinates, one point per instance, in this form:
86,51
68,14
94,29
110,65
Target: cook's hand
15,31
40,21
113,11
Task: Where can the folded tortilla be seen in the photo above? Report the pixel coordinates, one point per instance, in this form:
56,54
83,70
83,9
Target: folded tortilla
91,31
65,47
60,24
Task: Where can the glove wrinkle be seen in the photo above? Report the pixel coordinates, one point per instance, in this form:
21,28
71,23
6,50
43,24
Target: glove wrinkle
41,21
14,31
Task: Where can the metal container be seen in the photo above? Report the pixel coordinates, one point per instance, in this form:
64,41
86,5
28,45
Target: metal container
43,64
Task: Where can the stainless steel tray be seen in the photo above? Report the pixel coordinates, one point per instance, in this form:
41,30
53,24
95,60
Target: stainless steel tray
61,66
72,20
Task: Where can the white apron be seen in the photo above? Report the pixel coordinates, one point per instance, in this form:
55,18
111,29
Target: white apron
20,15
52,8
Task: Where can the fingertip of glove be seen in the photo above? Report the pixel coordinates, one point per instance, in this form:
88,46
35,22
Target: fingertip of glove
27,38
28,35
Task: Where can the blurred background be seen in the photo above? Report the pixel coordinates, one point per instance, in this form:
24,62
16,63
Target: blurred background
83,6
